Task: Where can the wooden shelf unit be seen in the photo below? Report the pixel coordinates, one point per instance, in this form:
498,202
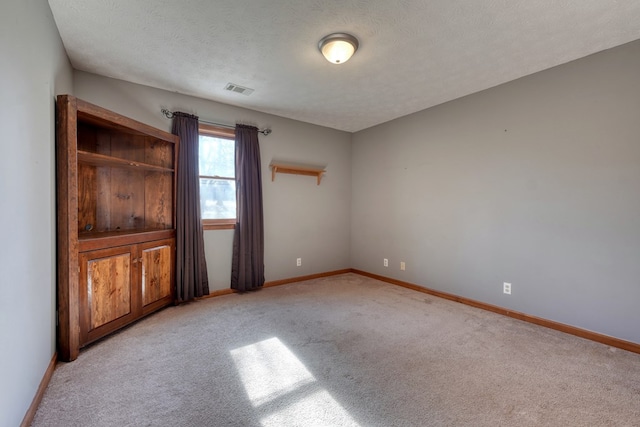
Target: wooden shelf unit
116,185
296,170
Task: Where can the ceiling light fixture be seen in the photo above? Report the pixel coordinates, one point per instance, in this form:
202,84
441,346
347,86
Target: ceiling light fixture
338,47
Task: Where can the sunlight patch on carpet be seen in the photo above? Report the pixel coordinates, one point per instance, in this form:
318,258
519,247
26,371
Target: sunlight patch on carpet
317,409
270,371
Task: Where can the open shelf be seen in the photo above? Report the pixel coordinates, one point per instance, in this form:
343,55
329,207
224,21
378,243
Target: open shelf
296,170
103,160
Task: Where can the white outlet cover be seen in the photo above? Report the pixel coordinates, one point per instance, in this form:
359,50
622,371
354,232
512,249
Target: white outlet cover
385,262
506,288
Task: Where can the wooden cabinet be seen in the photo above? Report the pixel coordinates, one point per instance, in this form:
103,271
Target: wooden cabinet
119,285
156,272
116,222
108,298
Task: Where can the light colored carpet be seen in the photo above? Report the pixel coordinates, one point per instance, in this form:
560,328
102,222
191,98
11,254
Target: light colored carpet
342,351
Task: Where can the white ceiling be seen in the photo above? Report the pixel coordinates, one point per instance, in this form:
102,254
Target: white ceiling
413,54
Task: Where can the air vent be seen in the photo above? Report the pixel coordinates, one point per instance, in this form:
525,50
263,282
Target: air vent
238,89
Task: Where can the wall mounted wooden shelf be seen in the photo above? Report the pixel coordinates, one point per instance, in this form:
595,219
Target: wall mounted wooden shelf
296,170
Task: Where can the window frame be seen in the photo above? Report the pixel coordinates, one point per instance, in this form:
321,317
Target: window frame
224,133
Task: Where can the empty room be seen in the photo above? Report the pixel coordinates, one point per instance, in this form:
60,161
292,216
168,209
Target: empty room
320,213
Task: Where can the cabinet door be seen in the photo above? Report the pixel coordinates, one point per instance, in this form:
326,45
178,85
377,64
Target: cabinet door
108,294
157,277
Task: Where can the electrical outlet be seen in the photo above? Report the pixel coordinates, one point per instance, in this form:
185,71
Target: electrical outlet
385,262
299,262
402,265
506,288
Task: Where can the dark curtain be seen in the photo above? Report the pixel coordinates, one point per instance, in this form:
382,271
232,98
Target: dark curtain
191,267
247,270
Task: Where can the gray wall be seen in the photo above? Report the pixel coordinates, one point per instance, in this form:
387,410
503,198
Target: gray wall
302,219
535,182
33,68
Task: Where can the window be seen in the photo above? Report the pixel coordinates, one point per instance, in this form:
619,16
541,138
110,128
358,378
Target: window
216,156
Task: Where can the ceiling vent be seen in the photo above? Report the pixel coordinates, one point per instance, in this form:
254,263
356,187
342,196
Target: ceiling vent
238,89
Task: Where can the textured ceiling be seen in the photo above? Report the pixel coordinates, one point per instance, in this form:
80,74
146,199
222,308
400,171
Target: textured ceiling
413,54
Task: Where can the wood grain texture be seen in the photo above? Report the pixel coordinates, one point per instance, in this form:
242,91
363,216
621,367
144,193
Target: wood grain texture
110,239
97,159
109,289
93,114
109,297
127,199
116,191
127,146
568,329
103,184
103,199
156,273
87,176
158,153
158,200
87,138
83,297
67,228
163,271
87,198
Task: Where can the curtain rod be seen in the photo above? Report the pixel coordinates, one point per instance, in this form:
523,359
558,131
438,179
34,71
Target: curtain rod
169,115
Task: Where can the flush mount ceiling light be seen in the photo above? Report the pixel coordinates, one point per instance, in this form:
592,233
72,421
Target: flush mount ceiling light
338,47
